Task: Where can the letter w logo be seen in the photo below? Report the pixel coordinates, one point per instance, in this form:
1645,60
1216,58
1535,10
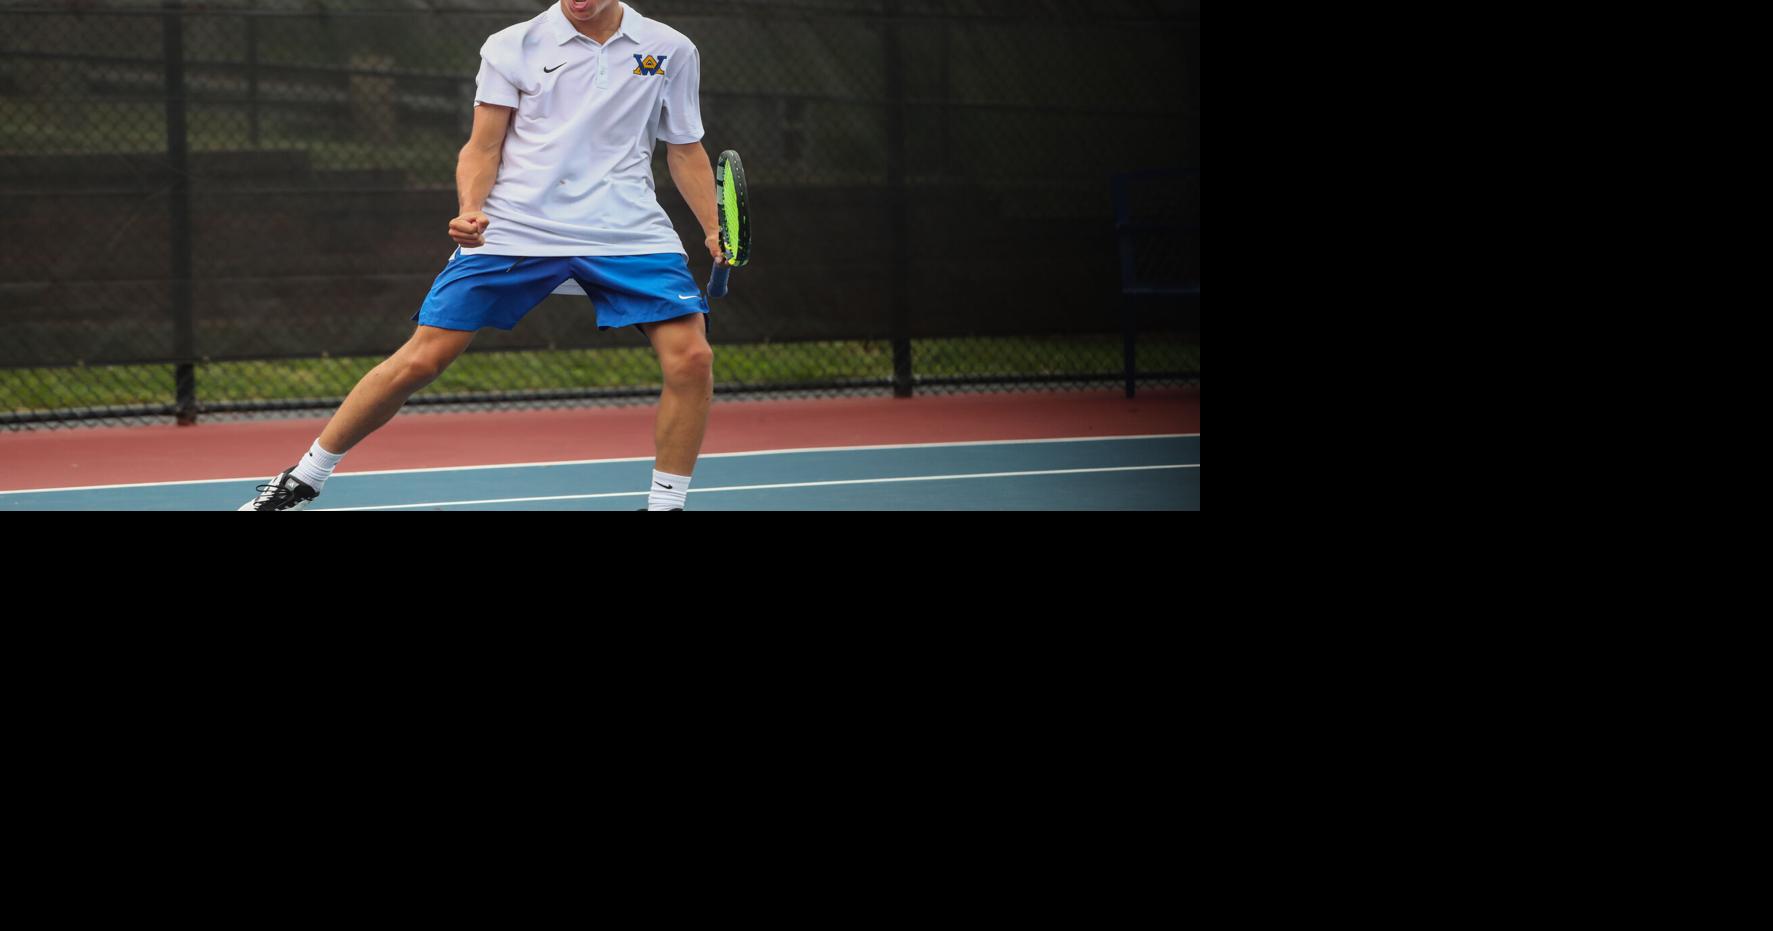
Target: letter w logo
649,64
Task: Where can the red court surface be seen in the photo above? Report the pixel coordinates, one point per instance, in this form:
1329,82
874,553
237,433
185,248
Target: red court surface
414,439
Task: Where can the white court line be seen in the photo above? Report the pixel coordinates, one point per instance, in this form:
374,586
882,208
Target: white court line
567,462
701,491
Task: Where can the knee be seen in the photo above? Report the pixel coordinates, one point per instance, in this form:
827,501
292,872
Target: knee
415,369
694,364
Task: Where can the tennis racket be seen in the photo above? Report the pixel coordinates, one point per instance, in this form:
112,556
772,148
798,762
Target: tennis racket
735,220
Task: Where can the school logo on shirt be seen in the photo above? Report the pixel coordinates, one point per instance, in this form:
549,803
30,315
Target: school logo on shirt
649,65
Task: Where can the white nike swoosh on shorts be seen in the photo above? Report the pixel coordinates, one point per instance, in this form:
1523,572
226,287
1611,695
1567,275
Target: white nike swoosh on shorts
686,297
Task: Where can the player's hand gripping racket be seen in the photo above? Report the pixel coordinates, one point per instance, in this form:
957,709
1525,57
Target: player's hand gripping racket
735,221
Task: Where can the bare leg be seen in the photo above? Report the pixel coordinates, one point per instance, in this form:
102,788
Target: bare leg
380,394
687,363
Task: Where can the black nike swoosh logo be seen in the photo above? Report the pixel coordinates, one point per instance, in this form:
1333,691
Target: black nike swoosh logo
663,485
553,69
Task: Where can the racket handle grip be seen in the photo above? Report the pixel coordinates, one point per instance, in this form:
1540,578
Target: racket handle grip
717,281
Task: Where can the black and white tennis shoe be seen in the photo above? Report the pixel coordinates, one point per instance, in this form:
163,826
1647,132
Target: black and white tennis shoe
283,493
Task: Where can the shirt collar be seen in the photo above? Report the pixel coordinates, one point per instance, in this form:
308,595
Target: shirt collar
564,31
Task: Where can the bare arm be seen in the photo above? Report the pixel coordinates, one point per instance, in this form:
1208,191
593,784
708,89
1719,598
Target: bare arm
694,177
476,169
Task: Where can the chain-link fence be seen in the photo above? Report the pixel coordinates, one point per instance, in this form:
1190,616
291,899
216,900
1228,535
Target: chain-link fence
234,207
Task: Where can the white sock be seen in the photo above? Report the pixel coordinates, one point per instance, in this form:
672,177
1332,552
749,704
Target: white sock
316,467
668,491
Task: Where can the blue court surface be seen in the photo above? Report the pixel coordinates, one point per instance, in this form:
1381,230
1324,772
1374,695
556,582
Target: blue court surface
1142,473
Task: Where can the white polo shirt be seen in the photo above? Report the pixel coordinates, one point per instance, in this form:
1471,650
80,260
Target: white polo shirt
576,176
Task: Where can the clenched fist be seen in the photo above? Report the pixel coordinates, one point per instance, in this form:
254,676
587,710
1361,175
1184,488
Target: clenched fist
469,229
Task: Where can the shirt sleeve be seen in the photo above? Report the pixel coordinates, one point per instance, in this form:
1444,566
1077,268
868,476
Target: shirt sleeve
492,87
682,121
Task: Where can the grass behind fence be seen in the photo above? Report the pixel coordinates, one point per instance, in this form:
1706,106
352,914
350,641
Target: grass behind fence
43,389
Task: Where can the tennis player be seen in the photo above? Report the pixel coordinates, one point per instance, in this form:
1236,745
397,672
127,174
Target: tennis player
556,192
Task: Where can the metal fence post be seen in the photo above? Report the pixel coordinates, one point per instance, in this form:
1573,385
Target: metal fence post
179,210
898,221
252,78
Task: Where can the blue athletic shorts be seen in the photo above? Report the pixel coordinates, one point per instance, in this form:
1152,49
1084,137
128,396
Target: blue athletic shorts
480,290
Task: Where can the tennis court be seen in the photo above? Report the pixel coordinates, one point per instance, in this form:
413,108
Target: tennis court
1121,473
975,282
1146,456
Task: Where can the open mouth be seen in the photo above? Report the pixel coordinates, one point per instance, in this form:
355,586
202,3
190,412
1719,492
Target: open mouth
580,6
